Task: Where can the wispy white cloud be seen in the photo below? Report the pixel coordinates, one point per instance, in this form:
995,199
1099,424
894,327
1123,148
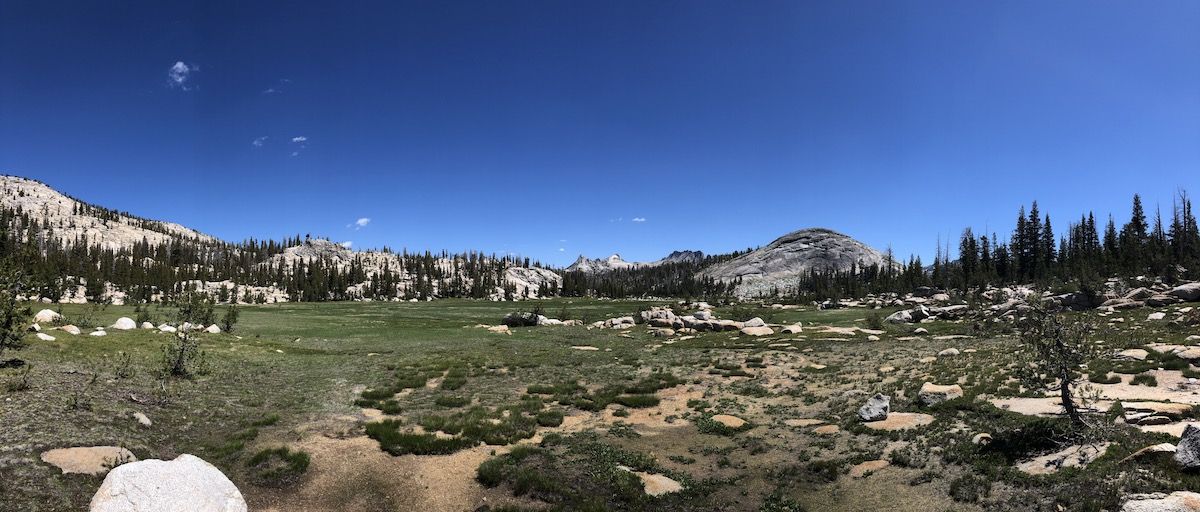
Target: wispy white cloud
639,219
362,222
302,142
560,249
179,75
260,141
278,87
347,244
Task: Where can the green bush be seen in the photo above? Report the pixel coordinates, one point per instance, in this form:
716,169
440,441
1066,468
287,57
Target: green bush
550,418
451,401
277,467
393,441
637,401
970,488
1144,379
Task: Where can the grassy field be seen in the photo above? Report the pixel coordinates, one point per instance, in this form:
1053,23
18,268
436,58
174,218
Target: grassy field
569,415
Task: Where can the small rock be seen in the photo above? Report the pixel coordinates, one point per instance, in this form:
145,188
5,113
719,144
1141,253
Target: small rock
46,316
950,352
44,337
920,330
931,393
213,329
142,419
982,439
500,329
70,329
1157,315
1150,450
757,331
754,322
876,408
1187,452
147,325
98,333
124,324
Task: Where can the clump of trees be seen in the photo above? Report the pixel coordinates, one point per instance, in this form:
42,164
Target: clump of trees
1034,253
14,314
1082,255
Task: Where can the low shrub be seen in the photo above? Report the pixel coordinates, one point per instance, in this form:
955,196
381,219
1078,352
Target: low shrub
277,467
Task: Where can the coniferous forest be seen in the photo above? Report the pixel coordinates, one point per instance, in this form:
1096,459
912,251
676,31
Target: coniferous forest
1079,256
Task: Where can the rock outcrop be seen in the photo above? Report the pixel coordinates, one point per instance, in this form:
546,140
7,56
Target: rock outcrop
780,264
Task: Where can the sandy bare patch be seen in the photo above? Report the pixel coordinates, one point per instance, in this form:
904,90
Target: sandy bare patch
654,484
1172,386
826,430
354,474
88,460
867,468
900,421
802,422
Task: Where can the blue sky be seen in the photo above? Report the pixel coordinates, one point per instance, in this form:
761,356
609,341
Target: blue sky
552,129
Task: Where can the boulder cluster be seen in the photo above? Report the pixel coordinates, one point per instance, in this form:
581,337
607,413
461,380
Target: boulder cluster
530,319
1011,303
663,321
124,323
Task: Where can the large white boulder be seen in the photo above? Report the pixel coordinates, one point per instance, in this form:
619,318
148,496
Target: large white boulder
213,329
46,316
124,324
70,329
1189,292
186,483
761,330
1178,501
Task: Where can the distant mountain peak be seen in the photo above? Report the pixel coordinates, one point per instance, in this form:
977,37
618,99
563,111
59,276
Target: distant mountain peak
615,262
780,264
